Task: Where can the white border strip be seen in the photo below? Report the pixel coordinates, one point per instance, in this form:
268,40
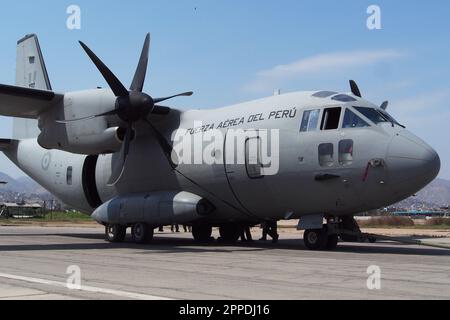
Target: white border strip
119,293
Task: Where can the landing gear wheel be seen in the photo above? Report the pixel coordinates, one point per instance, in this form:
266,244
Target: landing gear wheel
115,233
201,233
332,242
230,232
316,239
142,233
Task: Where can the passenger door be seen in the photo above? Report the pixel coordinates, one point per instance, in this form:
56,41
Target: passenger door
245,170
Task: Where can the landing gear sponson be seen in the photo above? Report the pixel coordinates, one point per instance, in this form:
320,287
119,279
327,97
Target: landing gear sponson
142,233
327,238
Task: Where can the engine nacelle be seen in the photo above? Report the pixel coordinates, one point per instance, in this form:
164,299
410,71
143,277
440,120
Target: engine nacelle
88,137
108,141
155,208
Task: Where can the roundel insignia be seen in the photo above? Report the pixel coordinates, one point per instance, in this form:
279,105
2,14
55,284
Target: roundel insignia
46,160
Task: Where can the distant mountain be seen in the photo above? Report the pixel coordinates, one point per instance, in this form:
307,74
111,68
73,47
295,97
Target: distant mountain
435,195
21,189
12,184
31,186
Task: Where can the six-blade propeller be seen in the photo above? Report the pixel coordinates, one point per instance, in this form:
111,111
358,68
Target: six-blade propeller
131,105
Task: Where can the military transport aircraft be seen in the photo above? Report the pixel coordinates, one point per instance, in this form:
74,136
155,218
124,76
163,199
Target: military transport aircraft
111,153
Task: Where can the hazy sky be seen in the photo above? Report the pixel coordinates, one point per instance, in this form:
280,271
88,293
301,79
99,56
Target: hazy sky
231,51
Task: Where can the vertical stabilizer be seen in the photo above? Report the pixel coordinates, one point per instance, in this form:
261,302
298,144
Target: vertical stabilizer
30,73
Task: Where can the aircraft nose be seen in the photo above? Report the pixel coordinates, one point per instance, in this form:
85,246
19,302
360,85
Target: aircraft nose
412,162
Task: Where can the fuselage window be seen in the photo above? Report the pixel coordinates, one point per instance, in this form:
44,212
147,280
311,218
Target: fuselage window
310,120
346,152
372,114
253,158
351,120
330,119
326,151
69,175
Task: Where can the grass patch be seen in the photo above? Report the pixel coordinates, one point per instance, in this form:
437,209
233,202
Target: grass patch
404,223
433,222
380,222
57,216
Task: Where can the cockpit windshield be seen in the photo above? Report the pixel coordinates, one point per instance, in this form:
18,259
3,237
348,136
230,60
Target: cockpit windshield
372,114
377,116
391,118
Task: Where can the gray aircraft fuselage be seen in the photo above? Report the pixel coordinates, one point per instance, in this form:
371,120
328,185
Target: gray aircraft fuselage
303,185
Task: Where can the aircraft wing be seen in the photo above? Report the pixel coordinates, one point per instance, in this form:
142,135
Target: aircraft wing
26,103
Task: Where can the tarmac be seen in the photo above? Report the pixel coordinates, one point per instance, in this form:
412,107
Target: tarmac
38,263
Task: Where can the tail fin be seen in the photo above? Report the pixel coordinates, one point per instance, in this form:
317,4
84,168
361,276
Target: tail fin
30,73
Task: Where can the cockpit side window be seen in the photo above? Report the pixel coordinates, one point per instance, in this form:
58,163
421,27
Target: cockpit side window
372,114
331,118
310,120
351,120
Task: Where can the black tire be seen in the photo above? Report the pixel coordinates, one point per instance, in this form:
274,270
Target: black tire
372,240
230,232
201,232
316,239
332,242
115,233
142,233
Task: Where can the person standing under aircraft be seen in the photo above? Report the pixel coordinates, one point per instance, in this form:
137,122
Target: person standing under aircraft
270,228
246,234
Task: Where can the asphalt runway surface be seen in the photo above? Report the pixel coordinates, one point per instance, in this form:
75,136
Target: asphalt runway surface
38,262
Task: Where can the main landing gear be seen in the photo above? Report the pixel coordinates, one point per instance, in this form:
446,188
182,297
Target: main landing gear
229,232
115,233
320,239
202,232
141,233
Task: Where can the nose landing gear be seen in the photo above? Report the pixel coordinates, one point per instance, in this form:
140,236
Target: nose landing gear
345,229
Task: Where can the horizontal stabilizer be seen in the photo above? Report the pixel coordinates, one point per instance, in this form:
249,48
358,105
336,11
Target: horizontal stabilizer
26,103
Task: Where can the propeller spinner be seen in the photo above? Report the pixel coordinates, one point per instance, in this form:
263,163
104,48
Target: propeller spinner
131,105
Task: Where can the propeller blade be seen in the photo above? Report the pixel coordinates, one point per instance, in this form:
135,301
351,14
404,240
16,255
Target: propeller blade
184,94
355,89
109,113
119,166
114,83
385,105
141,70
